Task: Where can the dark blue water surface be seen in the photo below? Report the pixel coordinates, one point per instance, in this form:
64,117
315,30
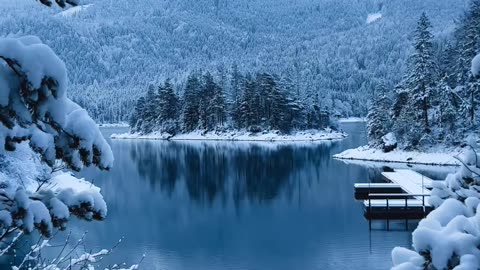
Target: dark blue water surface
232,205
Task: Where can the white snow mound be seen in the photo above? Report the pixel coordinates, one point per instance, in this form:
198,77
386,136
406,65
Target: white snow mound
74,10
373,17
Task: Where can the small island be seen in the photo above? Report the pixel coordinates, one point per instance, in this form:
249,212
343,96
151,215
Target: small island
263,107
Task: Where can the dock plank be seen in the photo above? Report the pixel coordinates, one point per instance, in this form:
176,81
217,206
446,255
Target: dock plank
410,181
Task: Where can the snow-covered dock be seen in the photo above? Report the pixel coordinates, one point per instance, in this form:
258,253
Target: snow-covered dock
362,190
403,197
411,182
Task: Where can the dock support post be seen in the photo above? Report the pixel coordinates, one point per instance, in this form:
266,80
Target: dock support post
406,209
388,218
369,213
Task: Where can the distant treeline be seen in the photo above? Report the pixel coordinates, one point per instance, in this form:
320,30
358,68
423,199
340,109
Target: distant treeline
256,103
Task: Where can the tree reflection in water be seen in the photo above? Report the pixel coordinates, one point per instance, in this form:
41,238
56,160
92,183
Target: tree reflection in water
257,172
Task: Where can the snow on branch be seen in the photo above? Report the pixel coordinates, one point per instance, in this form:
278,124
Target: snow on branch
34,107
68,257
448,237
61,3
39,129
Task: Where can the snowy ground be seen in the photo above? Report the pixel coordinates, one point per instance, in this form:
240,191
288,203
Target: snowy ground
435,172
352,119
310,135
439,157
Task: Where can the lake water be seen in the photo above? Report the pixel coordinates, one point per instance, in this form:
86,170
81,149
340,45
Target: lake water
233,205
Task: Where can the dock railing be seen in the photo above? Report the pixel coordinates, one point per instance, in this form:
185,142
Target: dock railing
395,196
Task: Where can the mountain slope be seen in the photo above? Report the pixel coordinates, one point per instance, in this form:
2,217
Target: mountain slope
113,52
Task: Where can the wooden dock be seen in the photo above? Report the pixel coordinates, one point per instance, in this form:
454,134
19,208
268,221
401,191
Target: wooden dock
404,196
362,190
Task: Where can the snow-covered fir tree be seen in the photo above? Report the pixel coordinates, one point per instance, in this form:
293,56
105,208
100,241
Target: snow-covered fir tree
426,108
422,77
168,106
263,102
191,104
467,37
448,111
378,124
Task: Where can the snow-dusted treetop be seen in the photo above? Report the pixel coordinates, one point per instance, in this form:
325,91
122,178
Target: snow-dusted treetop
476,65
34,107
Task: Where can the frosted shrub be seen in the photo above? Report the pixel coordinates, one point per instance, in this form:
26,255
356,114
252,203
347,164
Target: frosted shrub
449,237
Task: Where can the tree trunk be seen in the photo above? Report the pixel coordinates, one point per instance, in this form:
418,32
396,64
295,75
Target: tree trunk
472,107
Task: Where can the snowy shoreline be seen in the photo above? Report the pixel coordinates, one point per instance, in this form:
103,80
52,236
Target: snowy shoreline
352,120
365,153
113,125
301,136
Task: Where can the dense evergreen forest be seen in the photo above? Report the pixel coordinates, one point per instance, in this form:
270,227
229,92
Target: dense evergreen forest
115,49
437,101
256,103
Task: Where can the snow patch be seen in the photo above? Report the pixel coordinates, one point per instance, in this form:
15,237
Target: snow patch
373,17
73,10
476,65
352,120
113,125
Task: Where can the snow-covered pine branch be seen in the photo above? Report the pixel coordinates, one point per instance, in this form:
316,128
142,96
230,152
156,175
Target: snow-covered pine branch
34,107
40,126
61,3
69,256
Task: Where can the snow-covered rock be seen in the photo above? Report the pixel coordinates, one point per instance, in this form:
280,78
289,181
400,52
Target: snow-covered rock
389,142
476,65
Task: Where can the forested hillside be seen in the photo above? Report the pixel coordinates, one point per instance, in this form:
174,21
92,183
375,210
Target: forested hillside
437,101
335,50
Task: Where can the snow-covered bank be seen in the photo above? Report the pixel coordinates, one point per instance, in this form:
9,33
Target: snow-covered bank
113,125
352,119
413,157
433,171
310,135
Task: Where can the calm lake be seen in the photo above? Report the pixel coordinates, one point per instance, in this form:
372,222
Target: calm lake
234,205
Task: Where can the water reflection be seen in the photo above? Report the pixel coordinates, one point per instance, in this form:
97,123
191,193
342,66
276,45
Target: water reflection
225,205
257,172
